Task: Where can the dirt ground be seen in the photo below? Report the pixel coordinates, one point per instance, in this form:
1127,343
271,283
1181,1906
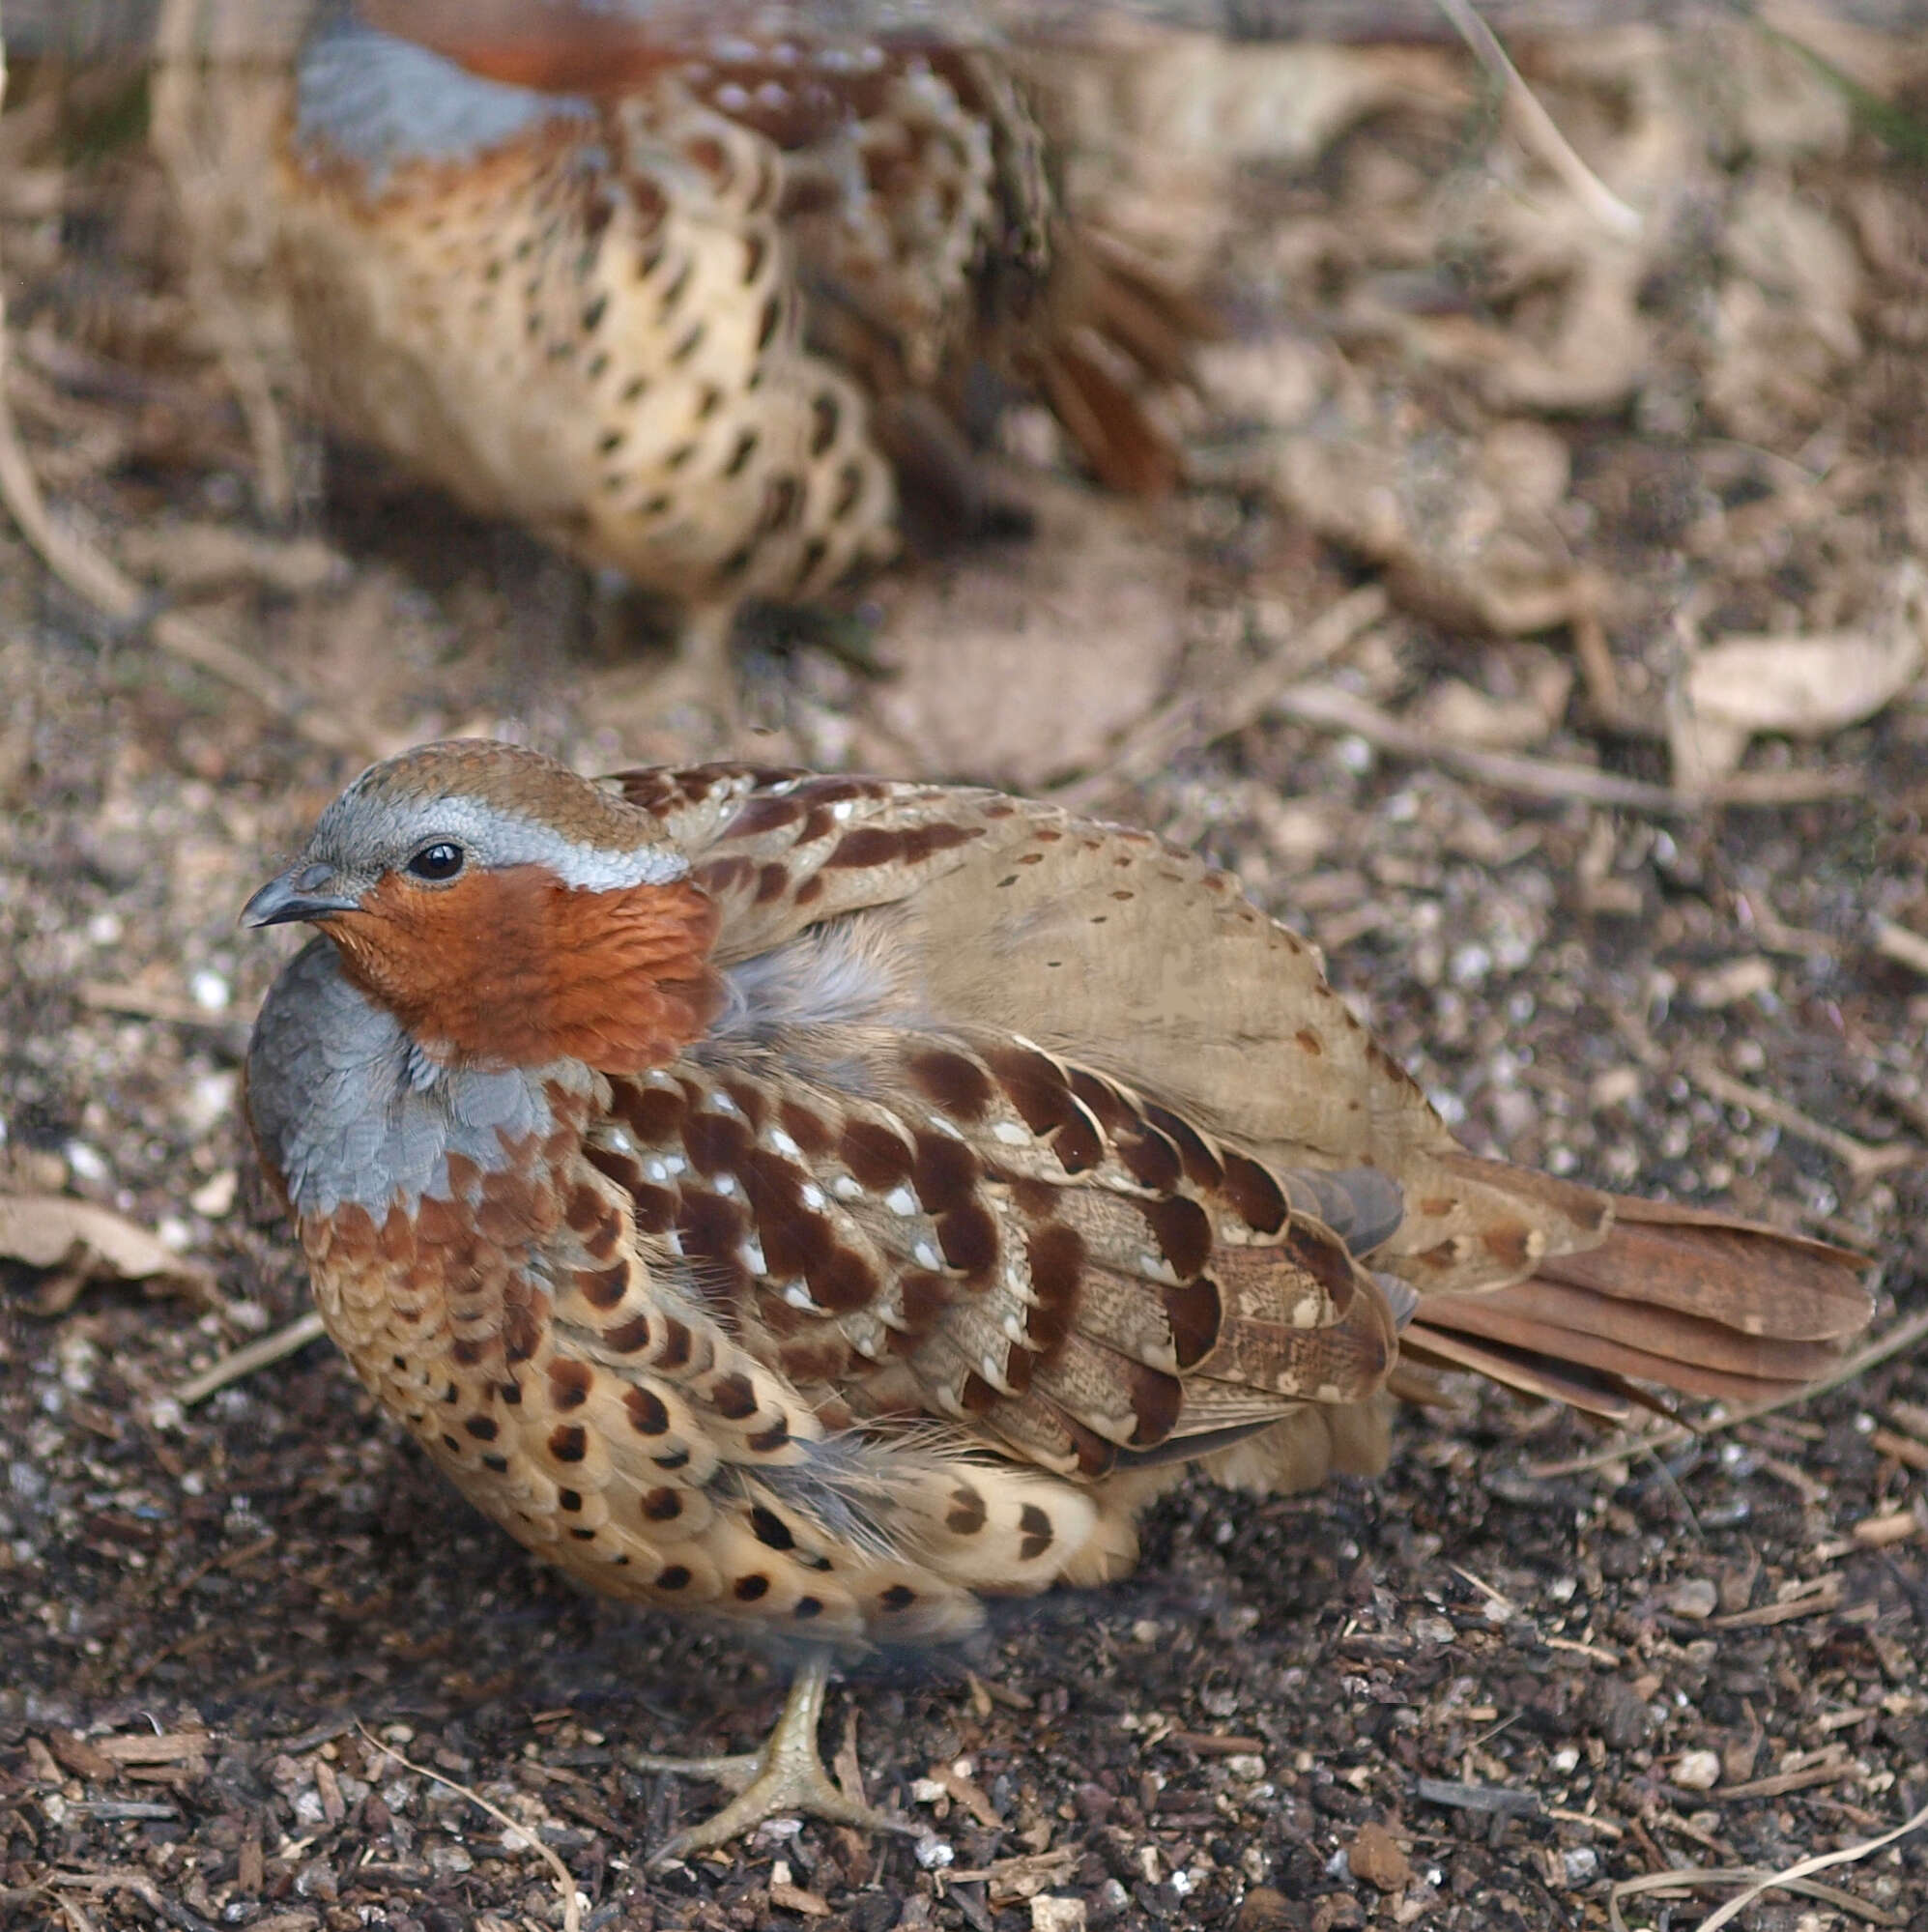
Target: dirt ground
1437,651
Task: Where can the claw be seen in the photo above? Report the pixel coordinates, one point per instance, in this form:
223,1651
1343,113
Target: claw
785,1776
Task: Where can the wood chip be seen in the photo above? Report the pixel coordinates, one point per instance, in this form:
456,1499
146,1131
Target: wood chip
1375,1858
1476,1797
1218,1743
1823,1594
961,1790
793,1898
170,1747
1783,1782
1903,1448
1900,943
81,1758
1878,1532
1912,1417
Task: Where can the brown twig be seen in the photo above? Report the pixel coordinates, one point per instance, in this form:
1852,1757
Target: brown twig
1337,709
1197,717
1862,1161
243,1362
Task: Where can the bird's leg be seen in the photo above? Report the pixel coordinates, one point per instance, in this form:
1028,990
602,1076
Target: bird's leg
785,1774
700,683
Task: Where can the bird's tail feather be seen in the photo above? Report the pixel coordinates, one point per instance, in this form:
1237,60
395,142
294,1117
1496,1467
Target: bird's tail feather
1697,1303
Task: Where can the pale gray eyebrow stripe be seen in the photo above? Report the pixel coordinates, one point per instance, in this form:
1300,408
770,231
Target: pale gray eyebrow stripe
497,838
503,838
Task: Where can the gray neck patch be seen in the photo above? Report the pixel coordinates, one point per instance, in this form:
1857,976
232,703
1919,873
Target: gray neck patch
353,1114
384,101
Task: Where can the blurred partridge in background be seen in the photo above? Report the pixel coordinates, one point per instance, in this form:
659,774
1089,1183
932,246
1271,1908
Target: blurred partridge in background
821,1202
688,290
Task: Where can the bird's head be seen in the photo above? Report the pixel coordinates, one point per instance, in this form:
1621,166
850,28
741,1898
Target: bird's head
506,911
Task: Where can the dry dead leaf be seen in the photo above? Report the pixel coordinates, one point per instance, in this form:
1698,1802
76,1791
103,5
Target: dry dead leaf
83,1242
1464,529
1022,665
1156,123
1797,686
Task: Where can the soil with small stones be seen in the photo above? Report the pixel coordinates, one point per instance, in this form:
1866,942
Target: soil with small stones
259,1666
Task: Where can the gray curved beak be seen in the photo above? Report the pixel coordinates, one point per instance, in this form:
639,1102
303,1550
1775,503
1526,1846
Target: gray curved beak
302,892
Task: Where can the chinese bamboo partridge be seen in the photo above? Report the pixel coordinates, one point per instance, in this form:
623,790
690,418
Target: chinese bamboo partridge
684,286
822,1202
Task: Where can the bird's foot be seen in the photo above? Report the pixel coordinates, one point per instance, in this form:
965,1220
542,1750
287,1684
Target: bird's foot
698,695
787,1776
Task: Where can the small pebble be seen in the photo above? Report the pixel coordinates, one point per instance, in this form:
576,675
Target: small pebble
1376,1860
215,1197
1697,1771
85,1161
1696,1598
1264,1910
1051,1914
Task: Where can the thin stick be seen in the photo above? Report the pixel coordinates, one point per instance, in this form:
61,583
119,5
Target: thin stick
95,577
572,1911
1337,709
1862,1161
1536,129
92,576
243,1362
175,87
1199,718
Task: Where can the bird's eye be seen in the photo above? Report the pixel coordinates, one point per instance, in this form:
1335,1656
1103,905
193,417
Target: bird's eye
437,863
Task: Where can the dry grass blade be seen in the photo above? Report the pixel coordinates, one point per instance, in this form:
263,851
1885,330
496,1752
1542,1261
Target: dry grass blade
171,132
1537,126
1692,1878
243,1362
1795,1878
572,1909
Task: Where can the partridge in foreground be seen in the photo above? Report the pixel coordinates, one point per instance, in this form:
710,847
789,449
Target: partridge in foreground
823,1201
683,287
